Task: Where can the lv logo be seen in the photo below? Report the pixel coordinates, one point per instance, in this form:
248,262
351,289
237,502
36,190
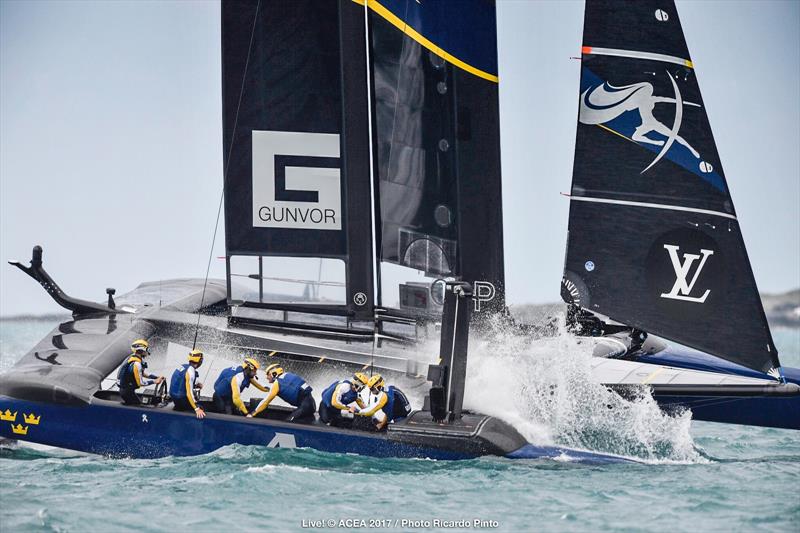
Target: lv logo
682,289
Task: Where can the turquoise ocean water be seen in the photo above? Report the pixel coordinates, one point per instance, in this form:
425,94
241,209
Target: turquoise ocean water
696,476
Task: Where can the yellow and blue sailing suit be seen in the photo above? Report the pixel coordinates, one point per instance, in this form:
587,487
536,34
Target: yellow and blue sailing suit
228,387
132,376
293,390
181,388
335,401
390,405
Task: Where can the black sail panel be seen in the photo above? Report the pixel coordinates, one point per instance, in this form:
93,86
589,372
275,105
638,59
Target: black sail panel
288,82
654,241
434,67
296,153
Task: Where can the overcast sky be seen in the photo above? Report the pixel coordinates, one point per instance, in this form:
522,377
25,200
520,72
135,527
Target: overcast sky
111,144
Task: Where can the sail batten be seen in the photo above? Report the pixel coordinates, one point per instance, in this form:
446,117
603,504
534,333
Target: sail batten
592,50
652,206
654,242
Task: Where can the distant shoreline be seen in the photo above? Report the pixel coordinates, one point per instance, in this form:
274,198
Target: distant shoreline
39,318
782,310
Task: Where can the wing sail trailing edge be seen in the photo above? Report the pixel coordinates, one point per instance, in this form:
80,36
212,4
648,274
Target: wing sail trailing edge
434,67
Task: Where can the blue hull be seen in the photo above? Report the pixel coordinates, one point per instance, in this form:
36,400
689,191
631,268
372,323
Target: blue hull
777,412
111,429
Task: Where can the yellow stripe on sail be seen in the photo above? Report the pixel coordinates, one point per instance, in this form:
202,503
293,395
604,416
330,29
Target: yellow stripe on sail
401,25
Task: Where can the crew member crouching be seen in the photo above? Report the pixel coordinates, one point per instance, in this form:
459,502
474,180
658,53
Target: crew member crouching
231,382
183,384
132,374
293,390
389,405
338,398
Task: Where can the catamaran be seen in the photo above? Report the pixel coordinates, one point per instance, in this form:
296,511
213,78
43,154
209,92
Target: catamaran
345,149
361,139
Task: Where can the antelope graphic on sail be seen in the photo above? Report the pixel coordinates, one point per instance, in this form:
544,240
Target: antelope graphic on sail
603,103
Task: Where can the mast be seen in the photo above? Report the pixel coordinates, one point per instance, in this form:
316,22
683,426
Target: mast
356,160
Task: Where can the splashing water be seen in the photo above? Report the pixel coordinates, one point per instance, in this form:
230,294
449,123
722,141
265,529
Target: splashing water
544,388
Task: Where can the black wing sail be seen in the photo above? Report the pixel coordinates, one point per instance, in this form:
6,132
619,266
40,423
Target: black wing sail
654,242
296,149
434,66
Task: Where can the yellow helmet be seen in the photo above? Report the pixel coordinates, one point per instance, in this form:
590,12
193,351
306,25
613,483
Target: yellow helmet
195,356
375,381
274,369
140,346
360,380
252,363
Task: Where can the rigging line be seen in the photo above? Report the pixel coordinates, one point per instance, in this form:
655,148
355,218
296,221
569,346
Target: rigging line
376,266
225,172
208,269
205,379
319,280
707,403
375,333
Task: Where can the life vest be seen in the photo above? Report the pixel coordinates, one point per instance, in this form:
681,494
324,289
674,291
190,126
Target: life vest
347,398
292,388
222,387
397,405
177,384
125,376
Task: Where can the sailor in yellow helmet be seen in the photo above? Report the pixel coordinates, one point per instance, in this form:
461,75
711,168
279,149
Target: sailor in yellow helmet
388,403
338,399
133,373
293,390
183,384
231,382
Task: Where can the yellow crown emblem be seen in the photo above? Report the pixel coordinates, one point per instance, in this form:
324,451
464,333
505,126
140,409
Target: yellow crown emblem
31,419
19,429
8,416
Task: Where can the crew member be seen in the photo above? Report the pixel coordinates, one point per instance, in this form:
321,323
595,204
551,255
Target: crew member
388,405
338,397
290,388
183,384
132,374
231,382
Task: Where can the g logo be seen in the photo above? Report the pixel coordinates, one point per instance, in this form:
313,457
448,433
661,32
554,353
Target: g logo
296,180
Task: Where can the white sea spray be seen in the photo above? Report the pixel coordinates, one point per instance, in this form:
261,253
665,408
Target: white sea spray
543,387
